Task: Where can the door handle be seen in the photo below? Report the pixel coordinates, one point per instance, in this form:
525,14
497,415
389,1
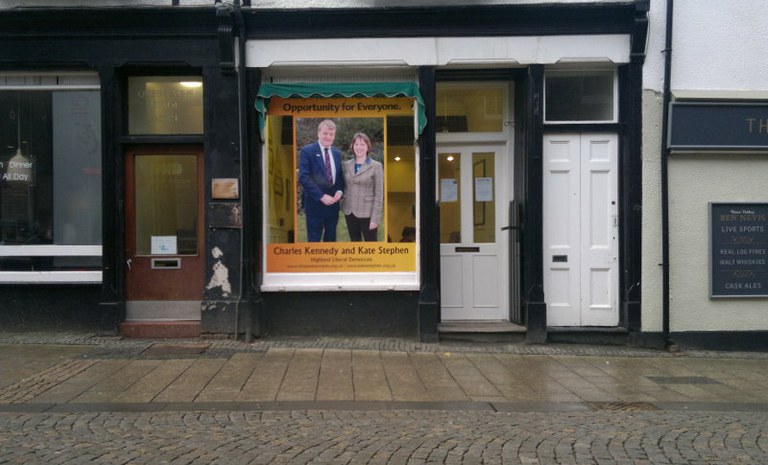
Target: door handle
129,262
505,228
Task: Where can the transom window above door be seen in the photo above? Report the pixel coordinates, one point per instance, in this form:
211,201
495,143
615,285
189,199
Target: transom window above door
165,105
470,107
584,96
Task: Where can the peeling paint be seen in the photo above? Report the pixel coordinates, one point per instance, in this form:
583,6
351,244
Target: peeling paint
217,253
220,276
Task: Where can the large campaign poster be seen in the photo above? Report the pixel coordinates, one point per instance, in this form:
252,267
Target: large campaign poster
352,209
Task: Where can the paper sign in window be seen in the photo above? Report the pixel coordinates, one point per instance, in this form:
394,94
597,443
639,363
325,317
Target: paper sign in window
164,245
483,189
449,190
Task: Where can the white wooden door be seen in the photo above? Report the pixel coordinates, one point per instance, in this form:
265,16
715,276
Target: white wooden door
473,193
581,229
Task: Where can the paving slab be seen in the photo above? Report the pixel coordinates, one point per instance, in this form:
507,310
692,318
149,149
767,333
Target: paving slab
108,371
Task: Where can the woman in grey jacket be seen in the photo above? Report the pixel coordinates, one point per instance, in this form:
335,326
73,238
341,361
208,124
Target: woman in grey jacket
363,200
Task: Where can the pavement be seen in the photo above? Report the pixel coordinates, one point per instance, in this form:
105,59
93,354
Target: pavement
79,398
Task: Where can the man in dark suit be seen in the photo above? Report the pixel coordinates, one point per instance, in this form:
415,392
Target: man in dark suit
323,181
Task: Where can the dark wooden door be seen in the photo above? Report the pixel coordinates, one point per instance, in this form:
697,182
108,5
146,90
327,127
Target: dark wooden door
164,223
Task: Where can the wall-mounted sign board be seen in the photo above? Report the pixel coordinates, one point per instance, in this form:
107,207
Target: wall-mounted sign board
739,249
733,126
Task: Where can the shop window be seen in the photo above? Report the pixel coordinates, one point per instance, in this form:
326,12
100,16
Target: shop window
50,181
584,96
165,105
470,108
293,128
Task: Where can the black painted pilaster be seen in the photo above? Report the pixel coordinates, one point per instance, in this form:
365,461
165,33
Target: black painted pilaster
631,170
533,215
223,218
429,234
112,298
630,189
252,210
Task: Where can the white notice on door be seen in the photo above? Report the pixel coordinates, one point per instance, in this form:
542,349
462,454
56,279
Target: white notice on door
449,190
483,189
164,245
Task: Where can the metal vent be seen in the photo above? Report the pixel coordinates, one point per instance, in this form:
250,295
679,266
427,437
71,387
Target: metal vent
33,81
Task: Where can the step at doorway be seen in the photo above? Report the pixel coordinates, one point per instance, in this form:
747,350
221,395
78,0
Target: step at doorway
481,331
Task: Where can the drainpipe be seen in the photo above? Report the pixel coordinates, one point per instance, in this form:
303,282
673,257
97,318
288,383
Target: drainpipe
666,99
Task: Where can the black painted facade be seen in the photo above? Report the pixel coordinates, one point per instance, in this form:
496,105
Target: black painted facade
123,42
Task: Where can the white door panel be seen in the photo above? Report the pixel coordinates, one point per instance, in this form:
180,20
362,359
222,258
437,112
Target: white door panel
486,286
580,229
452,296
561,231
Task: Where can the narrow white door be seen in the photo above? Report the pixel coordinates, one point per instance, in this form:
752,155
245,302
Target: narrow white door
473,249
581,229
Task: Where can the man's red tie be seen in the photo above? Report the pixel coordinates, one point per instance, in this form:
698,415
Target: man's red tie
328,172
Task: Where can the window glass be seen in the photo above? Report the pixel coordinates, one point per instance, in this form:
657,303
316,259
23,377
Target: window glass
580,96
368,183
401,181
166,201
449,174
50,174
483,198
165,105
462,108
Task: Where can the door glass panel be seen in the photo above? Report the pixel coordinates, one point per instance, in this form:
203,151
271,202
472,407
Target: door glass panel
449,174
483,198
166,202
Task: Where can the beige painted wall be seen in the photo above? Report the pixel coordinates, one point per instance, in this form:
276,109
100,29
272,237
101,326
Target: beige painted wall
694,181
651,291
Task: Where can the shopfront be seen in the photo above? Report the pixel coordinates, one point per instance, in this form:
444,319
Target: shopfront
505,207
501,149
718,221
111,147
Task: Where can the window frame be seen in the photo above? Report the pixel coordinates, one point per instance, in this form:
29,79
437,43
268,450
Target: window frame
302,281
581,72
31,82
494,136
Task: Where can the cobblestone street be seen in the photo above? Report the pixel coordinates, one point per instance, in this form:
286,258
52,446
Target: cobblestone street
385,437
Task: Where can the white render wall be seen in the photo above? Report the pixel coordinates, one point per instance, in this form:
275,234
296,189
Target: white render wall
653,84
719,51
720,45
